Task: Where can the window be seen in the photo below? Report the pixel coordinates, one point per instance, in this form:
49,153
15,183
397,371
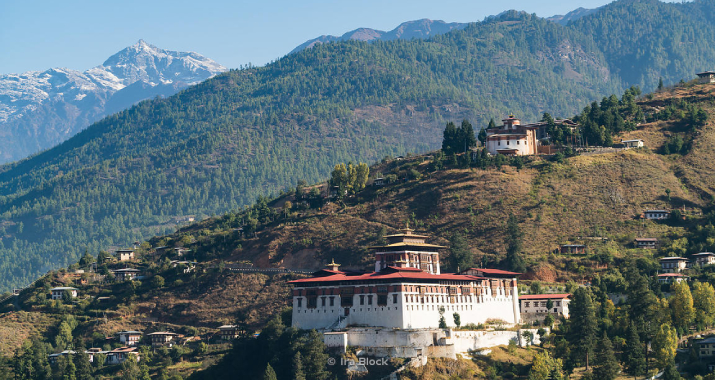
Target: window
312,302
369,299
517,142
527,304
346,300
300,302
557,303
382,300
507,142
322,301
394,298
332,301
362,299
498,142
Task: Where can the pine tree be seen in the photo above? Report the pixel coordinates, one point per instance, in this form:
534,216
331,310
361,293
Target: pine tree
633,355
84,367
605,366
467,136
514,236
582,326
269,373
450,138
460,256
298,367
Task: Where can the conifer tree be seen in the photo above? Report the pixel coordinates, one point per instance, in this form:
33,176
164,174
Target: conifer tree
298,367
583,326
514,236
460,256
633,355
605,366
269,373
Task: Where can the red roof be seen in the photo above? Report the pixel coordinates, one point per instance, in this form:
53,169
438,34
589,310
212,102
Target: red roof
389,274
672,275
544,296
495,271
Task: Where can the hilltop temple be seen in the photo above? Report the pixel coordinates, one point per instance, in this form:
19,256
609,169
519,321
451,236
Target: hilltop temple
516,139
406,291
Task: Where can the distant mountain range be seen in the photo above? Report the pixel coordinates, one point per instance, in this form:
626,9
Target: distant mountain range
424,28
38,110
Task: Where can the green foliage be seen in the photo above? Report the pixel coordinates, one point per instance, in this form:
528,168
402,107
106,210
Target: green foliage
544,367
514,238
460,255
634,353
157,282
664,346
682,305
457,319
605,364
458,140
582,326
704,303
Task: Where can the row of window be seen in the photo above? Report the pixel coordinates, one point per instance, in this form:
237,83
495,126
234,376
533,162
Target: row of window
517,142
543,303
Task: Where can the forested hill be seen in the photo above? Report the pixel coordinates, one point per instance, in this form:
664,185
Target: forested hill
217,146
220,144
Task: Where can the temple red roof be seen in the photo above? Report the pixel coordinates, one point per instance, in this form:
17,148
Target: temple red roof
390,273
544,296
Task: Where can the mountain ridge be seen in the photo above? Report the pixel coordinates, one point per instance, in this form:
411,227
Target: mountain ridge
39,109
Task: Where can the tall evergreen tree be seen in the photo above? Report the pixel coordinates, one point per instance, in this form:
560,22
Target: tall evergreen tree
582,326
605,366
450,139
460,256
269,373
298,373
514,236
633,354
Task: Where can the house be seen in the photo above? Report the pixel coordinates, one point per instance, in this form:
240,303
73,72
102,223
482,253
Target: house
229,332
181,251
58,292
378,182
512,138
53,358
94,351
125,254
119,355
705,347
129,338
536,303
646,243
188,266
125,274
637,143
162,338
573,249
406,291
673,264
668,278
704,258
706,77
656,214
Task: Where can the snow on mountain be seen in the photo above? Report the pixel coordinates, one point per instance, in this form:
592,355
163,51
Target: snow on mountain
67,101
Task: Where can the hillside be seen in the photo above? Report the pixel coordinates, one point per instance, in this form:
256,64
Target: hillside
555,200
217,146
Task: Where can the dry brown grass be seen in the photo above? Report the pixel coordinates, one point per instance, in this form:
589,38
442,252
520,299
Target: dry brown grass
18,327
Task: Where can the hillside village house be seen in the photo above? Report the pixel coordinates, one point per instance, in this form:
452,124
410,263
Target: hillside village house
656,214
537,303
669,278
673,264
119,355
58,292
633,143
129,338
162,338
512,138
704,258
229,332
573,249
125,254
125,274
646,243
706,77
406,291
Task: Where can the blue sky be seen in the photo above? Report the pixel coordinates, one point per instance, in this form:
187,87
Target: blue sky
80,34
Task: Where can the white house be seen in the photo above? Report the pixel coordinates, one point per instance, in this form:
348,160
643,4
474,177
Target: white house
125,254
706,77
58,292
646,243
162,338
537,303
667,278
129,338
229,332
125,274
637,143
119,355
704,258
656,214
512,138
673,264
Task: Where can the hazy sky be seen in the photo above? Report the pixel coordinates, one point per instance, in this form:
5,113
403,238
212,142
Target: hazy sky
80,34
